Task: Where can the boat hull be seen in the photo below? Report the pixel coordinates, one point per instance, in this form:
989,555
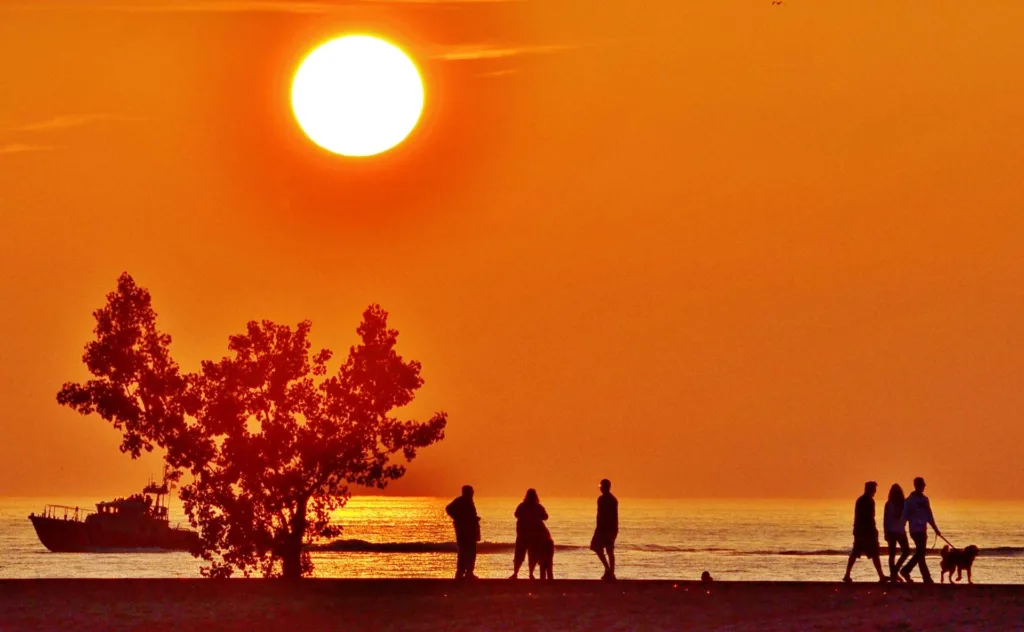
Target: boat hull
73,536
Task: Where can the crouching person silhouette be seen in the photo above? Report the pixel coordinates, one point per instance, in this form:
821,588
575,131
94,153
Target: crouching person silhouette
542,553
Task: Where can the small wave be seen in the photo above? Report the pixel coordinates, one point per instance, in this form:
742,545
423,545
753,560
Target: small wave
493,548
363,546
998,551
668,548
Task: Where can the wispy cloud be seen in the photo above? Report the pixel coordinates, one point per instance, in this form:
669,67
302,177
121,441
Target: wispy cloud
229,6
21,148
483,51
498,73
14,138
225,6
57,123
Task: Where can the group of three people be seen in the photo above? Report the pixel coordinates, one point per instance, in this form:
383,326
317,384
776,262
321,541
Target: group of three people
533,539
899,511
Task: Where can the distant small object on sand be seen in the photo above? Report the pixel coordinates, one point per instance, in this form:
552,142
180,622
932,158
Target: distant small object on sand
705,577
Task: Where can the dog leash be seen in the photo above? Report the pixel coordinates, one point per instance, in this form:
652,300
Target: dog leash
936,545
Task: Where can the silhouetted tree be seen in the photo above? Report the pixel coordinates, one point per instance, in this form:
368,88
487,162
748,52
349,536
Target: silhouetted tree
271,441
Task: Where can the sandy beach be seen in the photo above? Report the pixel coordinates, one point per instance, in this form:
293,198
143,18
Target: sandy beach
180,605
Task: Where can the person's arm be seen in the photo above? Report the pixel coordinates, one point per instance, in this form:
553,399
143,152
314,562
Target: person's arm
905,516
543,513
448,509
931,517
519,510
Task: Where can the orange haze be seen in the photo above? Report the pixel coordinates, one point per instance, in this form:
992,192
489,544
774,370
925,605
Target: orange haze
715,248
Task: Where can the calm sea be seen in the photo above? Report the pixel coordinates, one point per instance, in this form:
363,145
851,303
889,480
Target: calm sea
658,539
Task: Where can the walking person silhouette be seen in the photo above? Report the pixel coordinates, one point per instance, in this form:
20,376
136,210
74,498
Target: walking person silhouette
603,542
865,533
895,531
917,510
467,532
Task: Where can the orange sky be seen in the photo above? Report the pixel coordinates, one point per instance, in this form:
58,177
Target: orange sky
702,248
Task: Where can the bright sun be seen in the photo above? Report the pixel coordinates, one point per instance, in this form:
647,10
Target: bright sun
357,95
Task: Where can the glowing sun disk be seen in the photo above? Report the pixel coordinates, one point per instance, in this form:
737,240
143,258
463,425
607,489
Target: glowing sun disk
357,95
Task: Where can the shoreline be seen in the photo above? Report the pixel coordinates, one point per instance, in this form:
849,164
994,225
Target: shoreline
434,604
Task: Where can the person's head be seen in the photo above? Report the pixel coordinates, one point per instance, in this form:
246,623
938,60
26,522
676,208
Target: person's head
870,488
919,485
531,496
606,486
896,494
467,491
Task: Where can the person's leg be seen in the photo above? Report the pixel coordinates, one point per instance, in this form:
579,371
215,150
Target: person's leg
921,544
604,562
914,560
597,546
611,561
877,559
531,556
890,541
471,561
849,566
901,539
520,555
549,558
460,564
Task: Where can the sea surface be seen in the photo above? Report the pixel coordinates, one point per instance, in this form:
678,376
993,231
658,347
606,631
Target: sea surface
658,539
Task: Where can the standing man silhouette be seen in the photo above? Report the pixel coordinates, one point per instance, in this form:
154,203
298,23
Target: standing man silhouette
467,532
918,512
607,529
865,533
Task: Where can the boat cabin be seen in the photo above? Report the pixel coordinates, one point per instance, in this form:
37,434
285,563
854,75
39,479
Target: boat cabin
150,503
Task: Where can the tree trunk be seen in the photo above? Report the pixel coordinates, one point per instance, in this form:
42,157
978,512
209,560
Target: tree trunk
292,557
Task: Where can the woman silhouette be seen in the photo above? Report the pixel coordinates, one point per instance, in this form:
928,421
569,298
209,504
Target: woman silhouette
895,530
530,517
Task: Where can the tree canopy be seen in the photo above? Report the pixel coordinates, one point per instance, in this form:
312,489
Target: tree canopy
270,439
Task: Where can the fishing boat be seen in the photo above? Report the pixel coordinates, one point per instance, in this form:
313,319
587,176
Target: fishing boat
134,523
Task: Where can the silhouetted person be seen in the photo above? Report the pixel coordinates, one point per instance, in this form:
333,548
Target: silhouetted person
530,517
865,533
603,542
895,530
542,552
467,531
918,512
